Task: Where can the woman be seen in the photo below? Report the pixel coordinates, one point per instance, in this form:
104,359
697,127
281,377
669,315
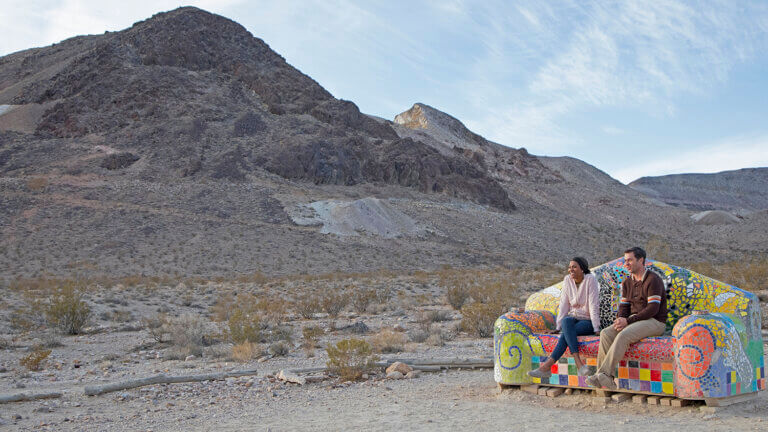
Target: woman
579,315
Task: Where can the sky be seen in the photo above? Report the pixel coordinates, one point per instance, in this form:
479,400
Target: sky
635,88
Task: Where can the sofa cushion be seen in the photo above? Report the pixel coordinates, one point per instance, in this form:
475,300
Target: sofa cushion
654,349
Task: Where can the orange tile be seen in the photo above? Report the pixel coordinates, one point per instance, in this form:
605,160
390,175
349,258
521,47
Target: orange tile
667,366
623,372
573,380
591,361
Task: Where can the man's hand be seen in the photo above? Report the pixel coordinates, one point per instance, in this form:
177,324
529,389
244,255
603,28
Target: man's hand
620,323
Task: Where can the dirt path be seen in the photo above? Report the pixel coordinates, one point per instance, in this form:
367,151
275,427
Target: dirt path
460,400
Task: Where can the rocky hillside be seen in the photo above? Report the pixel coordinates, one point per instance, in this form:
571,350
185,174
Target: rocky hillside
184,145
740,191
189,93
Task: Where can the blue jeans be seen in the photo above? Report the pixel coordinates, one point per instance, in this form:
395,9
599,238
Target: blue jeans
570,328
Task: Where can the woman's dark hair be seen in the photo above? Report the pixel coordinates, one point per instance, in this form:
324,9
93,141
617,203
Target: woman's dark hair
582,262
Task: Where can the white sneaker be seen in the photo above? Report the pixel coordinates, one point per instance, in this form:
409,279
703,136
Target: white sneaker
584,371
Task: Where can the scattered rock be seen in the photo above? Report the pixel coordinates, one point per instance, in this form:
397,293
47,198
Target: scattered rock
401,367
190,357
395,375
412,374
288,376
357,328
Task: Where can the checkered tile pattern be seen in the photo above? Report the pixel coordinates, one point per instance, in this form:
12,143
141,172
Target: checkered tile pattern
633,375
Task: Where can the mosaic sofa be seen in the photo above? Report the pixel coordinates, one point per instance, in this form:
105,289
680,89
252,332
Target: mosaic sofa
712,348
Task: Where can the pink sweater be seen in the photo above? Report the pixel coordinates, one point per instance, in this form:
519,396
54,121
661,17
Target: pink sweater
580,302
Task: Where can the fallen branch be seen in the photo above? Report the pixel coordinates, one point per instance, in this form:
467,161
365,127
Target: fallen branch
455,363
162,379
22,397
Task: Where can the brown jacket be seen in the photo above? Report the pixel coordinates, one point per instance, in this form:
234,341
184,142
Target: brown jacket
642,300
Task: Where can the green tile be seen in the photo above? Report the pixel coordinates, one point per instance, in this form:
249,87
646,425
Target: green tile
572,369
733,389
667,376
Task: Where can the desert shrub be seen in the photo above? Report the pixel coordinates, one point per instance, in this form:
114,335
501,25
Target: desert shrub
26,319
222,308
120,316
361,298
35,360
279,348
418,335
244,327
310,336
389,341
66,309
457,295
436,339
280,333
383,295
333,301
350,359
273,309
246,351
156,325
307,306
478,318
187,333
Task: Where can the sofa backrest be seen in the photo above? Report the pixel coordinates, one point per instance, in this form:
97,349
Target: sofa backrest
687,291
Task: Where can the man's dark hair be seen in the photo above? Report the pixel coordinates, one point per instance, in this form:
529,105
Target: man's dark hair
638,252
582,262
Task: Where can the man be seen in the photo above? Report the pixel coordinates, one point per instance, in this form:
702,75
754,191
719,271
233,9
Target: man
642,313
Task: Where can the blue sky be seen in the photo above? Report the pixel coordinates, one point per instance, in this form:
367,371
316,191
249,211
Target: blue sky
633,87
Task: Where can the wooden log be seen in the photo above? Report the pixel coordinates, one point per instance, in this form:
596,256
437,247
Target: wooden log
681,402
603,393
621,397
555,391
531,388
665,401
569,391
653,400
94,390
22,397
730,400
543,391
464,362
640,398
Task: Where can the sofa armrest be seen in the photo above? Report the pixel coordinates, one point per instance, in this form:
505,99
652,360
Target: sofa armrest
514,344
711,357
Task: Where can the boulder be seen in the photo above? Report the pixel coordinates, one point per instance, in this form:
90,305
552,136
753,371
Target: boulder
399,367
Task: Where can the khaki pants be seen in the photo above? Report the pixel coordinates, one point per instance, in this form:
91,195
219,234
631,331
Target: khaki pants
613,344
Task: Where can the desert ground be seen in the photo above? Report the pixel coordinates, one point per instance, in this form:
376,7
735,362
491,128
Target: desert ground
144,327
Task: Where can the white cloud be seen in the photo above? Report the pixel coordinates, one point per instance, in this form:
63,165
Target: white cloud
612,130
727,154
637,55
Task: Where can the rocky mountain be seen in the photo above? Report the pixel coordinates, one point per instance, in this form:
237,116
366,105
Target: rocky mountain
194,94
740,191
185,145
